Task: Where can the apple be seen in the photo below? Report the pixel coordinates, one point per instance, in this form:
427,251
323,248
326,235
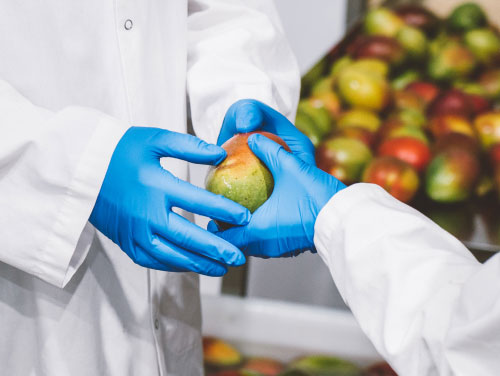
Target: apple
409,117
408,149
378,47
414,41
452,175
382,21
358,117
484,44
242,177
452,101
343,158
425,90
220,354
487,126
445,124
395,176
451,62
363,89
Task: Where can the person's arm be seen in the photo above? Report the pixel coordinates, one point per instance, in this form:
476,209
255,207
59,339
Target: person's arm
237,50
421,297
52,165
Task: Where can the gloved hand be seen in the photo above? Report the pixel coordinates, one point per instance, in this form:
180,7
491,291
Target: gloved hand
248,115
284,224
134,206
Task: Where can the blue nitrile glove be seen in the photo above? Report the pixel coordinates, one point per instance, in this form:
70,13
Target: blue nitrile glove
284,224
248,115
134,206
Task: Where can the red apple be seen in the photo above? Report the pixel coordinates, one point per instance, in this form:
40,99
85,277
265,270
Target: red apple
379,47
452,101
408,149
395,176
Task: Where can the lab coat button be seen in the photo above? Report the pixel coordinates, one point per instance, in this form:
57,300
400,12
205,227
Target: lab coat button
157,324
128,24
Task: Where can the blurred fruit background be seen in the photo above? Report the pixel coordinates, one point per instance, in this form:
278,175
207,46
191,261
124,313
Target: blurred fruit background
410,101
222,358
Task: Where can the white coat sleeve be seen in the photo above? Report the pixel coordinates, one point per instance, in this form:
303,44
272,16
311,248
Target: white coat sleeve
421,297
237,50
52,165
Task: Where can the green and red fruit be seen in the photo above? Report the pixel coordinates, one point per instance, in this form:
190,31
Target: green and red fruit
426,90
414,42
358,133
363,89
484,44
452,175
452,61
395,176
242,177
382,21
379,47
343,158
408,149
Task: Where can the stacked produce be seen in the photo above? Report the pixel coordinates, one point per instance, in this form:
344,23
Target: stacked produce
223,359
410,102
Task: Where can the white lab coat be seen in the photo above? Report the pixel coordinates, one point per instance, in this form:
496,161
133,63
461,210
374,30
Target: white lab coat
74,75
422,298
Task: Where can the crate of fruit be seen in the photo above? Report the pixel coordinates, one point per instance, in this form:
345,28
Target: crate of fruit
411,101
257,337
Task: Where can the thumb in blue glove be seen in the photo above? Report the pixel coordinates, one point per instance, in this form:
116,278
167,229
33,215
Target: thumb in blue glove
284,224
248,115
134,206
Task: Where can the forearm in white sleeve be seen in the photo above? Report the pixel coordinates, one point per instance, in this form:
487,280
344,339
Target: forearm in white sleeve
237,50
52,165
421,297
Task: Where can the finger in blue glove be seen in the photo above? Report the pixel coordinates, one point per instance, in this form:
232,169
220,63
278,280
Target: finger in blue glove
134,205
248,115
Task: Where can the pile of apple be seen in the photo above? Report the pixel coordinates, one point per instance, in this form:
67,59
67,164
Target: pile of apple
223,359
411,101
